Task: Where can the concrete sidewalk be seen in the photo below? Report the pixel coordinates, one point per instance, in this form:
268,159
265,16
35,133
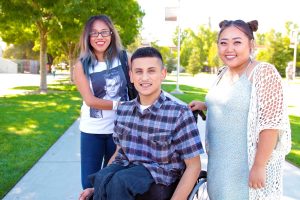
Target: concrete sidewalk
56,176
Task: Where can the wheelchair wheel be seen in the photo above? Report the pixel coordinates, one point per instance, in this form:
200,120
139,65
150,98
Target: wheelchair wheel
200,190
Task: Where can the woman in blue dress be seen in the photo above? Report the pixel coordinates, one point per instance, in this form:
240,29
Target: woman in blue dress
248,132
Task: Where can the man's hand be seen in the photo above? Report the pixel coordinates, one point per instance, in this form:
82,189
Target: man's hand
85,194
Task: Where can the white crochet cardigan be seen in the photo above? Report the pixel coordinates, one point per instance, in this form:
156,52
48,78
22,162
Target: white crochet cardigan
268,110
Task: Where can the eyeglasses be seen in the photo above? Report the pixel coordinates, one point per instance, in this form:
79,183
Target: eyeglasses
102,33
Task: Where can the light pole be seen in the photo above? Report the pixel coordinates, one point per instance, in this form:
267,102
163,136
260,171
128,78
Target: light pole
294,38
177,90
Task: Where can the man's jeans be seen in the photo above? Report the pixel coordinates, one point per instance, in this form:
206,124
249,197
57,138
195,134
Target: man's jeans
116,182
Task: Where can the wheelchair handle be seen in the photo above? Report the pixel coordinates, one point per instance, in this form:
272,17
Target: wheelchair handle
199,112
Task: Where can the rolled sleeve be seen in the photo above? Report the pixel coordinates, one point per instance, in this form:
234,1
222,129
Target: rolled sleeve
187,138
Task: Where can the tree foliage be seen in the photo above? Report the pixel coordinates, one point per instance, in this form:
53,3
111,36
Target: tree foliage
193,43
272,47
276,50
186,46
21,51
55,25
37,15
168,55
213,59
206,38
194,65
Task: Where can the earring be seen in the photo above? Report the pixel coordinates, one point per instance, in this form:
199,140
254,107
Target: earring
252,55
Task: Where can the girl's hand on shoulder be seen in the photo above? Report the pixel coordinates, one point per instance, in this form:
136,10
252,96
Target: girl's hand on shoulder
197,105
257,177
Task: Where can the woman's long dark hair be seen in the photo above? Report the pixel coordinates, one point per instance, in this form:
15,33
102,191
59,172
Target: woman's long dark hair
87,55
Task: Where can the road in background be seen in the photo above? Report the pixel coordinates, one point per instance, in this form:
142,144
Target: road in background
8,81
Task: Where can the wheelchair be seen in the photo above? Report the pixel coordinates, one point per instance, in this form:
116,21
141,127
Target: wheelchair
199,191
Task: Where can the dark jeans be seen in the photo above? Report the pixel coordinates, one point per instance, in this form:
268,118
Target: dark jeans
95,148
158,192
117,182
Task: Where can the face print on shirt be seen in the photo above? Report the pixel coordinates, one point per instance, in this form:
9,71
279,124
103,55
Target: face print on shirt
109,85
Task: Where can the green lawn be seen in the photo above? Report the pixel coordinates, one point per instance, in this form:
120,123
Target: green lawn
193,93
30,124
294,155
190,92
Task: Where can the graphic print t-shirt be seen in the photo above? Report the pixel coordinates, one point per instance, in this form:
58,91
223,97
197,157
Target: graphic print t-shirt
105,84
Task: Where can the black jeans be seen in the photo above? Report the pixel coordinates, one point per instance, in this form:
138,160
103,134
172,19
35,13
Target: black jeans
158,192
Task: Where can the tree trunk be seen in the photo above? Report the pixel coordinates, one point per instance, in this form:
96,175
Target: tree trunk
71,64
72,52
43,60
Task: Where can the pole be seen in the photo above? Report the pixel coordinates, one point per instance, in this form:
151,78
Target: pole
295,53
178,55
177,90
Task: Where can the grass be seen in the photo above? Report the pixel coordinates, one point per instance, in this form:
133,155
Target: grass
190,92
194,93
294,155
30,124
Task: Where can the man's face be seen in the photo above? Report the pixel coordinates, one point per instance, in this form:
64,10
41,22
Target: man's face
112,87
147,75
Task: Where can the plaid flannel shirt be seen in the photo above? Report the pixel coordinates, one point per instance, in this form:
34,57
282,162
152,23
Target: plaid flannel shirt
160,137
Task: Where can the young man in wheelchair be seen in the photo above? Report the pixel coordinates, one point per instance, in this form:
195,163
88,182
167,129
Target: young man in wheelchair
158,143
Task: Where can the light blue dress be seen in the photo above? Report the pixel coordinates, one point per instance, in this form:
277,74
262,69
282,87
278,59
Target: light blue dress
227,115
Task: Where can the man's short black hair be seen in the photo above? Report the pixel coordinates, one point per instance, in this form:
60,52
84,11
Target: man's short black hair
146,52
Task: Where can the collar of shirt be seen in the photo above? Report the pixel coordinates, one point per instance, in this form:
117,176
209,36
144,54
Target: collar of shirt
154,107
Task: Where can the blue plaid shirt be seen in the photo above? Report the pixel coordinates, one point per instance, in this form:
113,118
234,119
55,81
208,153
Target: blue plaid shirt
160,137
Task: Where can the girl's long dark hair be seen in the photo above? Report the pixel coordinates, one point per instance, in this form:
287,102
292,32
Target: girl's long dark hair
87,55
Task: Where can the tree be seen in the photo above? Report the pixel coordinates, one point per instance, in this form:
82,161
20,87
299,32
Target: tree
276,51
168,56
187,36
194,65
21,51
135,44
125,14
61,21
213,58
35,14
203,41
170,64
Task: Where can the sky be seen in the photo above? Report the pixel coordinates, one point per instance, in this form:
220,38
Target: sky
271,14
193,13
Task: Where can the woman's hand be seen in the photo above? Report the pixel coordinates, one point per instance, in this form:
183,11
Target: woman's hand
197,105
257,177
267,142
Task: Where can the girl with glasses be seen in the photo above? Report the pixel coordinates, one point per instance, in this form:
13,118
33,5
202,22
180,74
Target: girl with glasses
100,47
